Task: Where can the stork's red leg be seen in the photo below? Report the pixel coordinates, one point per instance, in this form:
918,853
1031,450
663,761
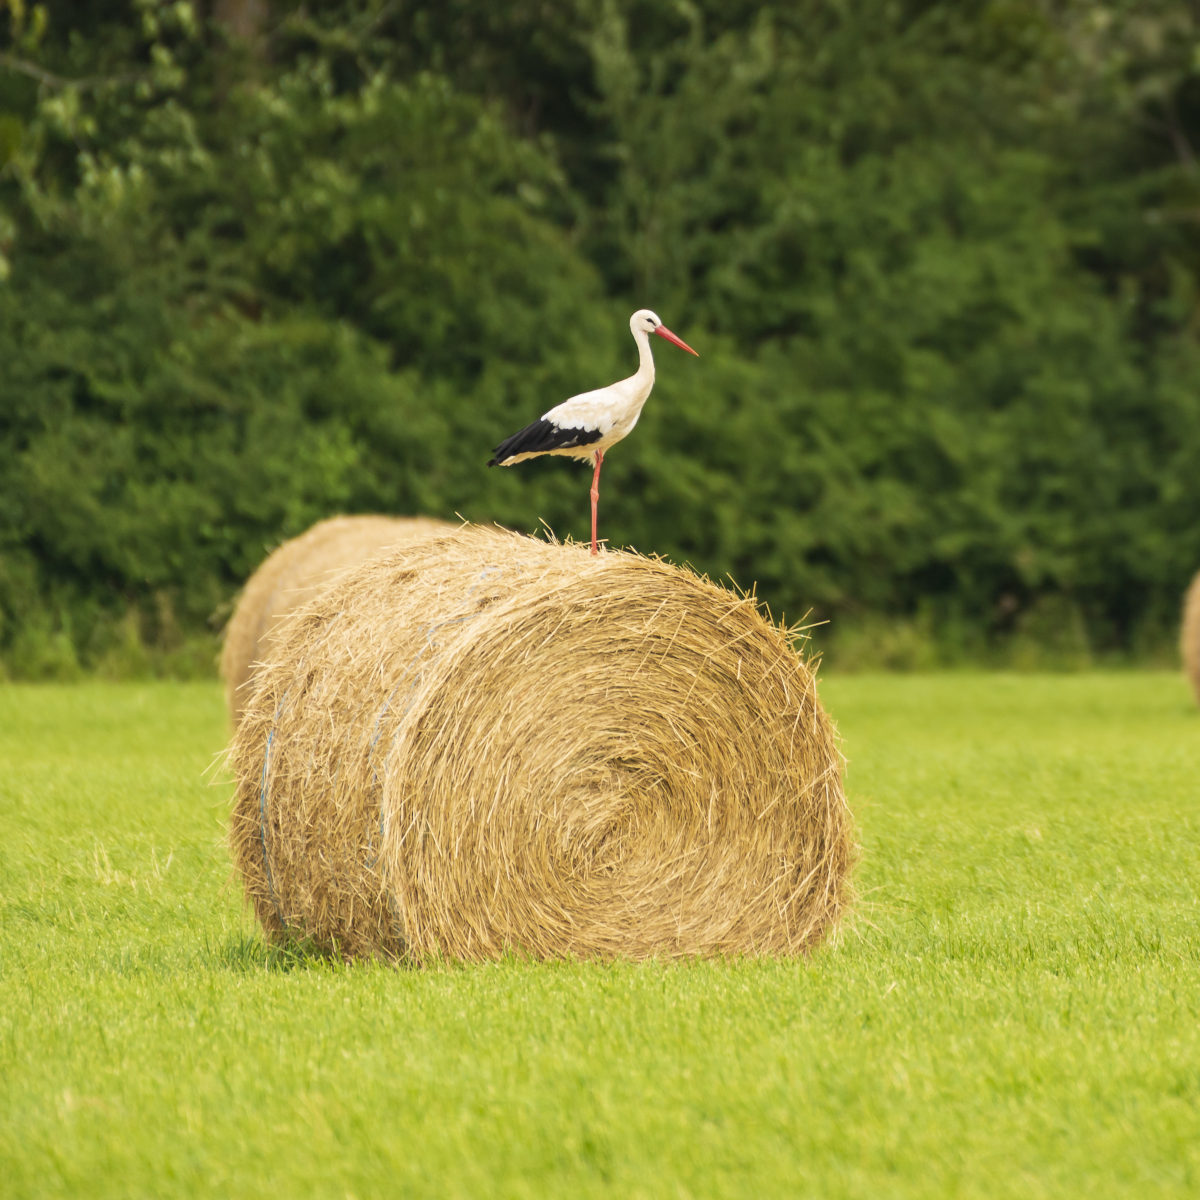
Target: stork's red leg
599,460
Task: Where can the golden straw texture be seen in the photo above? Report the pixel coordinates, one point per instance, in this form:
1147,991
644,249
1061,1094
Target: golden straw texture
295,572
1189,638
486,742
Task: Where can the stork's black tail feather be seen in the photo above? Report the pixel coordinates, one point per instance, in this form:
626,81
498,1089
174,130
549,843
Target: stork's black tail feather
540,438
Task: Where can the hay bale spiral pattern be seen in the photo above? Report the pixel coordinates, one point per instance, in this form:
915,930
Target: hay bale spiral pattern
489,743
295,572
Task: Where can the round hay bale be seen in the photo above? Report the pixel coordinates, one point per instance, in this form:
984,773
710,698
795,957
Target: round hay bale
295,572
486,743
1189,638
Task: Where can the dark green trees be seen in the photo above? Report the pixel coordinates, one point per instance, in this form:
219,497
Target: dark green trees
940,261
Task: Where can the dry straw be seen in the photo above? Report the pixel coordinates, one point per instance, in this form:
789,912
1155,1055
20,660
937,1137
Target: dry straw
489,743
1189,638
293,574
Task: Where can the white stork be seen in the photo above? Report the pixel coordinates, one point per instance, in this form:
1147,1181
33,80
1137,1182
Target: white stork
586,425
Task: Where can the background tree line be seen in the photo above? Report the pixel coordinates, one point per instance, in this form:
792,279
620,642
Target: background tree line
265,261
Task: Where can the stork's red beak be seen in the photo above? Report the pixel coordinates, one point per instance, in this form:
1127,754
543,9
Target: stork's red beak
663,331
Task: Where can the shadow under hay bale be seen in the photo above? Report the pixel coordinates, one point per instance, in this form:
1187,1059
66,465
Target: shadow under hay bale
1189,638
487,742
293,574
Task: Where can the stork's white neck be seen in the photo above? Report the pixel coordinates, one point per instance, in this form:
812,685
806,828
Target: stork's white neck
645,371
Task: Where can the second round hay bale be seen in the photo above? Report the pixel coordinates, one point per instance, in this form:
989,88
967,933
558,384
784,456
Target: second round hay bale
296,571
1189,638
487,743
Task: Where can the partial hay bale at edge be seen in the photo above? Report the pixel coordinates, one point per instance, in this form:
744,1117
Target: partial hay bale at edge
1189,638
489,743
293,573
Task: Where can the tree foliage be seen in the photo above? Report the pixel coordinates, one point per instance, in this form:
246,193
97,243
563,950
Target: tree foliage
940,260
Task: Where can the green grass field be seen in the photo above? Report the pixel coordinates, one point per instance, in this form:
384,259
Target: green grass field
1014,1011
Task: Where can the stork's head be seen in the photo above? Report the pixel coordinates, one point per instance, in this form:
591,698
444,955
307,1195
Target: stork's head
645,321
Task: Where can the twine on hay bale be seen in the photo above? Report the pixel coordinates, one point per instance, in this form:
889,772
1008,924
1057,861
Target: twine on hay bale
1189,638
487,742
293,574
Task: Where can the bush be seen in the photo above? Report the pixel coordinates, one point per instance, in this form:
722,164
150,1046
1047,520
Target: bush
932,255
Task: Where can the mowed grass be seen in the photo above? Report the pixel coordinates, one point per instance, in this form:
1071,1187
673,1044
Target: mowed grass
1015,1011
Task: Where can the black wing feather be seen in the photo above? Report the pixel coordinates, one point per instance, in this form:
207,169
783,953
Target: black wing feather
540,438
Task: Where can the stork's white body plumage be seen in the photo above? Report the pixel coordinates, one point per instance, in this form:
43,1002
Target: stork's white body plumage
585,426
609,411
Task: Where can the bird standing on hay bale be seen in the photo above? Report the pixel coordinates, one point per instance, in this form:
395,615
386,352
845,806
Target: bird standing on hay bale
585,426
